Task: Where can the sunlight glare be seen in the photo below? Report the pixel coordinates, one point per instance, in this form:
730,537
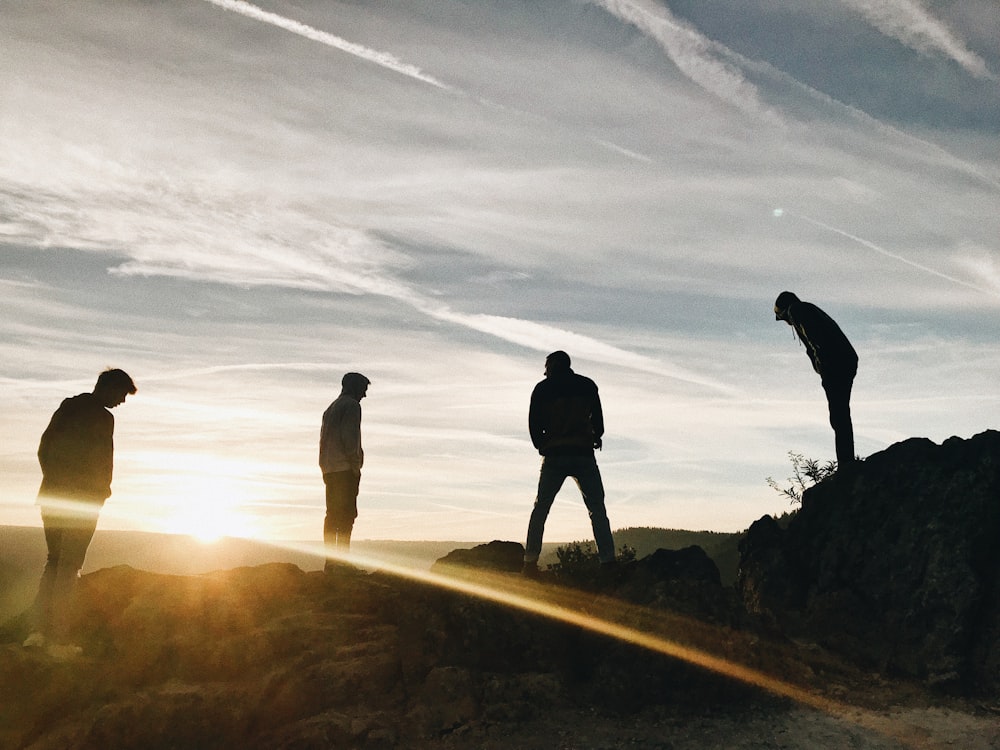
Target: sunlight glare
208,509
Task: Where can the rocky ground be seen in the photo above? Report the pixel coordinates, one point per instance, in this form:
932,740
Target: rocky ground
870,620
271,657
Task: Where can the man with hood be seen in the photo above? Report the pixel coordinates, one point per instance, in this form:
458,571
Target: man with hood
566,424
340,460
834,360
76,455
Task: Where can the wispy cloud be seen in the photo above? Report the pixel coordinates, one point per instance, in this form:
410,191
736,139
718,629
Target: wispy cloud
547,338
385,59
910,23
896,256
692,53
532,335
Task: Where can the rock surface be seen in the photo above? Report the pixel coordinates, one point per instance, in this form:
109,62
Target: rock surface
893,563
843,629
497,555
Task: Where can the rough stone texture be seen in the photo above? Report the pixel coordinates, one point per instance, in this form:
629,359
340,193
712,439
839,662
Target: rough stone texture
685,581
892,565
271,657
894,562
497,555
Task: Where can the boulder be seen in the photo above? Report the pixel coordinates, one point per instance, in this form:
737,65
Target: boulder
504,557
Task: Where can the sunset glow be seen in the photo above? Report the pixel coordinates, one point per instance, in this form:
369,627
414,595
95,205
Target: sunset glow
255,199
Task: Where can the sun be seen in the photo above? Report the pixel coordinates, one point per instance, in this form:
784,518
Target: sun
208,510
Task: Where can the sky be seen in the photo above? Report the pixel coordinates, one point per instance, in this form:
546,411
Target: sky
239,202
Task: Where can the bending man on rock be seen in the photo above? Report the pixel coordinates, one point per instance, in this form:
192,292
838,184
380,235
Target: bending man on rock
834,360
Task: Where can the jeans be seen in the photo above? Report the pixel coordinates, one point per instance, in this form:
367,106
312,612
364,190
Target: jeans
838,399
341,508
67,537
584,471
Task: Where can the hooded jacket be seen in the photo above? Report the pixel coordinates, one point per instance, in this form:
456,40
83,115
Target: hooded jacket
340,436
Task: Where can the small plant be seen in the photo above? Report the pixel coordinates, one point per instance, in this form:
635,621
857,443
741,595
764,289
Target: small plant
805,473
579,560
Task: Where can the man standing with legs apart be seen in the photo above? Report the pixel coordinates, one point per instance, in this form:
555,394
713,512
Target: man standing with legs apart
340,459
76,454
566,424
834,360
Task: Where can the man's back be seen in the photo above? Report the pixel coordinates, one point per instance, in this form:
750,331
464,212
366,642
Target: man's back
828,347
76,452
565,415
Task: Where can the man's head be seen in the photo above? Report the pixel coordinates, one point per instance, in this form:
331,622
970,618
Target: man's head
556,363
355,384
113,386
781,305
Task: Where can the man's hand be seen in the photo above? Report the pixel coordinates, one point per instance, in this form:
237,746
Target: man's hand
597,444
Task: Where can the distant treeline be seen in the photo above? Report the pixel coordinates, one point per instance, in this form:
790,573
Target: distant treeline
720,546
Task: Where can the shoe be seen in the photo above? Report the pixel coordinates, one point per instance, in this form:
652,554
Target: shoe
529,569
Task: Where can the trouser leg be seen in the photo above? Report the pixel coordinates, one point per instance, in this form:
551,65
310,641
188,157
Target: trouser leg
341,509
838,397
42,608
67,538
592,488
550,481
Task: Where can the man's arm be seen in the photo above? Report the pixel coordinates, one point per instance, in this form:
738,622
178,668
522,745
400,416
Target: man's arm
807,320
350,435
597,418
536,420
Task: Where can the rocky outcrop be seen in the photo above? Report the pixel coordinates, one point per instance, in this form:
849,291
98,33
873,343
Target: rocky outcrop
497,555
272,657
894,562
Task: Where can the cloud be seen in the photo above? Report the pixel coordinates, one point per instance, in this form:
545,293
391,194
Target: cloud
692,53
993,292
384,59
544,338
984,266
910,23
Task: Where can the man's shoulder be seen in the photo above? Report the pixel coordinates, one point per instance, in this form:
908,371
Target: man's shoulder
570,383
84,404
342,403
802,309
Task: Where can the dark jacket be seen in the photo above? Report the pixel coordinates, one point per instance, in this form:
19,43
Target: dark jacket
565,417
830,352
76,451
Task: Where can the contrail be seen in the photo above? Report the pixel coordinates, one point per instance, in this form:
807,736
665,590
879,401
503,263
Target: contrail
384,59
634,155
545,338
909,22
889,254
766,68
705,60
691,52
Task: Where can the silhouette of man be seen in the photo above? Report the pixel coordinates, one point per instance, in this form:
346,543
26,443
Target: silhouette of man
832,357
340,459
76,454
566,424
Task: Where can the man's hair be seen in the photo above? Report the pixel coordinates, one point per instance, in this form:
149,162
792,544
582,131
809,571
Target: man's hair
115,380
784,300
558,360
353,381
